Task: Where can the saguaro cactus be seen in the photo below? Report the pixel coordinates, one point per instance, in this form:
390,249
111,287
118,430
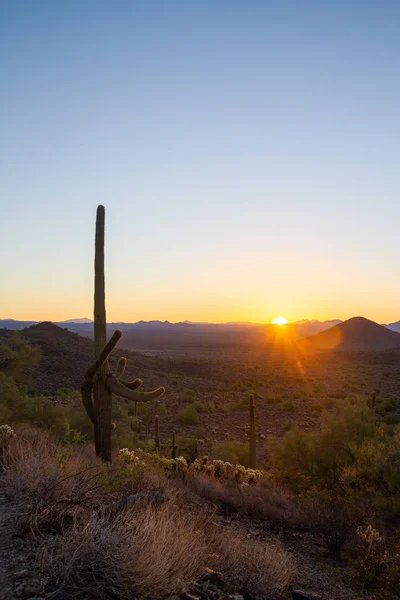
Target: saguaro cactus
157,443
100,384
252,452
174,447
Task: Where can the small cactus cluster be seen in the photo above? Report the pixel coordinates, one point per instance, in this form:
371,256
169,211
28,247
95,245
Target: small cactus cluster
212,468
369,539
219,468
131,457
6,434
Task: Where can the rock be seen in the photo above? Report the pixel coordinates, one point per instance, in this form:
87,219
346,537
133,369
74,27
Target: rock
212,577
27,589
302,595
20,574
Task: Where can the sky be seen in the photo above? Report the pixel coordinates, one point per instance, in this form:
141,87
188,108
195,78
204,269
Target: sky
247,154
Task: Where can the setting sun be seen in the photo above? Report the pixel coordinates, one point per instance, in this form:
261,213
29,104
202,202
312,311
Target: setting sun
279,321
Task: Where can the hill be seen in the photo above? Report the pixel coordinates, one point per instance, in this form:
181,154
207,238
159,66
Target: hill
393,326
357,333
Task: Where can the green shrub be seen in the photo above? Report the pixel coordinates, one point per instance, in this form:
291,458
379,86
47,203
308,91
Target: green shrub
188,416
186,446
353,452
234,452
201,407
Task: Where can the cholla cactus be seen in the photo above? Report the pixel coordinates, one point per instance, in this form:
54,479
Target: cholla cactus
6,434
219,467
131,457
369,539
99,383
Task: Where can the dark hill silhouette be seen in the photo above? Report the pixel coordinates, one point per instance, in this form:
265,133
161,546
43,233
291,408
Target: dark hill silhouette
65,356
357,333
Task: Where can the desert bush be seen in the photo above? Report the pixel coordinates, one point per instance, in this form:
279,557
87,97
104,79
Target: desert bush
264,500
375,465
188,395
16,355
150,551
48,483
186,446
330,517
264,569
143,553
234,452
188,416
303,460
288,406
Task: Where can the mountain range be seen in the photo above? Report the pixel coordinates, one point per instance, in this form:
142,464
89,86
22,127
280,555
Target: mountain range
356,333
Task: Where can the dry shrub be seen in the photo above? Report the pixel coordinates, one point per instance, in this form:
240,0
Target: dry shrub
144,552
263,569
49,484
266,500
330,517
155,551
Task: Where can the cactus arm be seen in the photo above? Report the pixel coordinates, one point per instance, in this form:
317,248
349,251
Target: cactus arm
132,385
103,355
121,366
117,387
86,392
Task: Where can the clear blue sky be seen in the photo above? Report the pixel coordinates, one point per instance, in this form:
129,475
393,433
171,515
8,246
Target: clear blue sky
247,153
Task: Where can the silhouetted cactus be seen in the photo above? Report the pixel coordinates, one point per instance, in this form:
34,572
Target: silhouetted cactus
371,402
252,449
157,444
100,384
174,447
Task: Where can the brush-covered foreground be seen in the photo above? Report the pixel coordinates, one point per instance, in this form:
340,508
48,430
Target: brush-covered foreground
127,530
146,529
321,511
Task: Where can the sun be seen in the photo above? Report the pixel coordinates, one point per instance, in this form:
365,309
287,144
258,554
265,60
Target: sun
279,321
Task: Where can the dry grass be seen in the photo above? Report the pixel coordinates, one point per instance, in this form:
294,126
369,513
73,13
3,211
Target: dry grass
111,548
265,500
153,552
144,552
263,569
50,485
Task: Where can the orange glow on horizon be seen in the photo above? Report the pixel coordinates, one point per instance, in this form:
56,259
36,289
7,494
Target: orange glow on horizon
279,321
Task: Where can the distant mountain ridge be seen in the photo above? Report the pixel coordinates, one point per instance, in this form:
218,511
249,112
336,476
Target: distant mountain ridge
393,326
357,333
84,326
